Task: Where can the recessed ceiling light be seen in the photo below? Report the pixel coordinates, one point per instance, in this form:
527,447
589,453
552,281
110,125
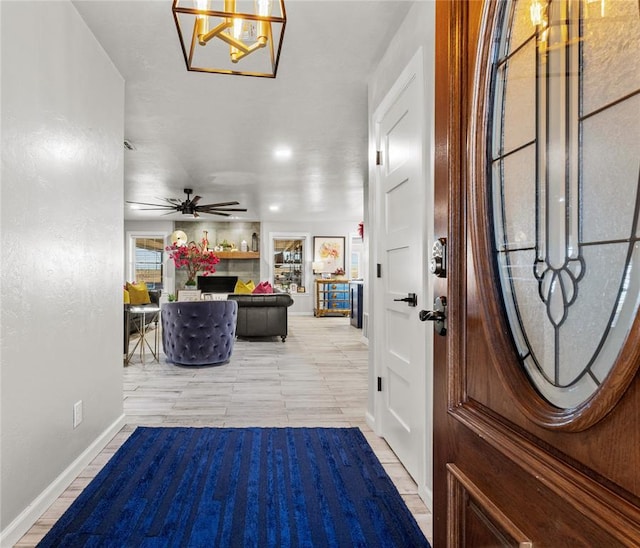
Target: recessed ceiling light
274,207
282,153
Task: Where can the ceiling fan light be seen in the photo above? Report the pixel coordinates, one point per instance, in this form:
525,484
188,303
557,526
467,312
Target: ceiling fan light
231,36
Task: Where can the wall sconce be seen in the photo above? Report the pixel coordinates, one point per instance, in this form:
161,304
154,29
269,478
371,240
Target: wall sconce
536,12
241,37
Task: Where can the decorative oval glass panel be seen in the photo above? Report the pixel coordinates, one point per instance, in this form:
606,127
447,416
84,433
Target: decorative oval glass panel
564,172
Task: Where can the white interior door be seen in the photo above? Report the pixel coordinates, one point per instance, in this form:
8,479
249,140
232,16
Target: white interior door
401,339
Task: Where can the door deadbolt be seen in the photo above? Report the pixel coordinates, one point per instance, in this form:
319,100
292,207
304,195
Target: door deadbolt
438,315
438,263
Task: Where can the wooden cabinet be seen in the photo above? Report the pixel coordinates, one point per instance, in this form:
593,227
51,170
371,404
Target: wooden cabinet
332,298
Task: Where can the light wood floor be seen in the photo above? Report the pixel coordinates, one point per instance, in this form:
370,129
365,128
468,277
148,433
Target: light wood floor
318,377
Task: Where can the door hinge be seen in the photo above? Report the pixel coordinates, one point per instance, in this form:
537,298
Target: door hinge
378,270
379,384
378,157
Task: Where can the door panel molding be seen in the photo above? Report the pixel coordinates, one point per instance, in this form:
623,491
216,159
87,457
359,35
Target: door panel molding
585,494
474,510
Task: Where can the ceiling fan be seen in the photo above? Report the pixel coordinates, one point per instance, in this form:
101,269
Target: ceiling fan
190,206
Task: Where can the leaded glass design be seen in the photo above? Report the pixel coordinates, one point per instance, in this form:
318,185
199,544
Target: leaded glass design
564,172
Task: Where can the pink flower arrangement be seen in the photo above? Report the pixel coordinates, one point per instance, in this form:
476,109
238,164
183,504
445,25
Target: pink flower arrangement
194,258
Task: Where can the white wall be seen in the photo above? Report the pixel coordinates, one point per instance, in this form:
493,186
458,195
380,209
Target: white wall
303,303
62,247
417,30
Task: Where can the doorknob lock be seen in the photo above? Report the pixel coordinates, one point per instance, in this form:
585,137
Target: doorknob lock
411,299
438,263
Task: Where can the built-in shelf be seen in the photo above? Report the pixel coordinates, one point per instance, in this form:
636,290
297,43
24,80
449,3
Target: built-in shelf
242,255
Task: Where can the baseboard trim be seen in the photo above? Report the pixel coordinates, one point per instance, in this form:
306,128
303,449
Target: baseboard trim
426,495
371,421
19,526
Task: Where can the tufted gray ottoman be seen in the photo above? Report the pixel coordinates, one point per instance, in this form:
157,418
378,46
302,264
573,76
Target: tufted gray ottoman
199,333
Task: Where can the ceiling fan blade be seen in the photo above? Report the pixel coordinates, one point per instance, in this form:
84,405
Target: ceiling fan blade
220,204
168,209
190,206
213,209
154,205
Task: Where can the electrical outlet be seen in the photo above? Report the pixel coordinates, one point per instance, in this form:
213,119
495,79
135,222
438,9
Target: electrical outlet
77,413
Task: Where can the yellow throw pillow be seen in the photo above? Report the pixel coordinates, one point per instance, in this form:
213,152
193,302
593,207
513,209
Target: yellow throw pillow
138,293
242,287
127,300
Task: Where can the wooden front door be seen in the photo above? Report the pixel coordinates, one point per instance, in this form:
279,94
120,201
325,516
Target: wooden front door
537,174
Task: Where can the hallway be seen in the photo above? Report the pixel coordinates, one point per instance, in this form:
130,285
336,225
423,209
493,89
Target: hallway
318,377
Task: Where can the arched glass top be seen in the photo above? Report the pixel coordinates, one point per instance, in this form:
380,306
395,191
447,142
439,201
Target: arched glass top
564,172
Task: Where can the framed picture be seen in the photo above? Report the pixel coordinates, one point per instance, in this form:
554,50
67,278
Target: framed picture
329,250
302,289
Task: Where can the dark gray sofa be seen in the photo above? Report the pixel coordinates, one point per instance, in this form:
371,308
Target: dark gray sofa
262,314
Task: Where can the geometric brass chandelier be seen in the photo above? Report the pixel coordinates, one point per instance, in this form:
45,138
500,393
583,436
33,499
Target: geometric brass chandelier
241,37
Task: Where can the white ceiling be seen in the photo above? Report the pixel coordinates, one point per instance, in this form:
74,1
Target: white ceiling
217,133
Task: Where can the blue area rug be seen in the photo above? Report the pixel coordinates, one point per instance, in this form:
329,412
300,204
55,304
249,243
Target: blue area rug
246,487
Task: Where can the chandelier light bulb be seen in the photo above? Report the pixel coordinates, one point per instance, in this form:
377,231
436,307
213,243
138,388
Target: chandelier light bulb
236,32
237,28
263,8
202,21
